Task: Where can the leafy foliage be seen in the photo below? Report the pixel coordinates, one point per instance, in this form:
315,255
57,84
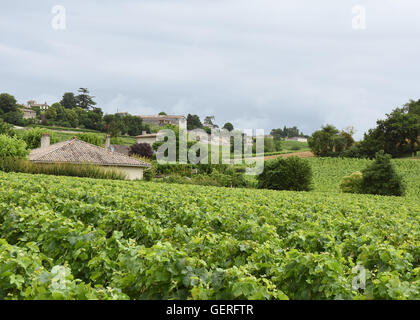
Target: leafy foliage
228,126
10,164
91,138
380,178
33,137
329,141
12,147
142,150
6,128
286,174
397,135
352,183
193,122
144,241
286,132
9,110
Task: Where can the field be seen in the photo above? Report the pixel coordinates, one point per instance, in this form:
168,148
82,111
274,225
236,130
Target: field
293,146
62,134
83,238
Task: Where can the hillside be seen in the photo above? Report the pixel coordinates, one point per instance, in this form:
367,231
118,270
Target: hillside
143,240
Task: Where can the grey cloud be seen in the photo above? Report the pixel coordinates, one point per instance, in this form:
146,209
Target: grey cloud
264,63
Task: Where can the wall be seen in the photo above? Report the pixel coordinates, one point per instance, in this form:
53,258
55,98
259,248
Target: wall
149,140
133,173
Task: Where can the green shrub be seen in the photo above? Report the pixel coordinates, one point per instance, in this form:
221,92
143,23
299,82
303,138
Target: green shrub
286,174
33,136
91,138
60,169
6,128
352,183
381,178
142,150
12,147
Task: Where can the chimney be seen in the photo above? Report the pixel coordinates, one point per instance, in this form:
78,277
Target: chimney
143,133
45,140
108,142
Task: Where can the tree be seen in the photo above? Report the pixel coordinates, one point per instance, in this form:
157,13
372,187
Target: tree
7,103
228,126
51,114
193,122
71,117
133,125
321,142
12,147
142,150
6,128
33,136
69,100
84,100
397,135
329,141
286,174
413,107
380,177
208,121
279,133
9,110
14,117
162,113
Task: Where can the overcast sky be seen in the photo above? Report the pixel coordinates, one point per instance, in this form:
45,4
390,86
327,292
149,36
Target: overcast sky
256,63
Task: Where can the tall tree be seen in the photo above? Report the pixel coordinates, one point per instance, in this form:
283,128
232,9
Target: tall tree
69,100
193,122
329,141
208,121
228,126
7,103
9,110
84,100
397,135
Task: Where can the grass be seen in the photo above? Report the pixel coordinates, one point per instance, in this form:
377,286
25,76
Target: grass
60,169
62,135
294,146
63,128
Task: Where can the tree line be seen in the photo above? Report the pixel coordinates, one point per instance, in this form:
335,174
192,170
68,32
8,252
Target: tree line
73,111
398,135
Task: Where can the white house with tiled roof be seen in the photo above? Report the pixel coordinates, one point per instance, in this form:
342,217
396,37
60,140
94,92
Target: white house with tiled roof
79,152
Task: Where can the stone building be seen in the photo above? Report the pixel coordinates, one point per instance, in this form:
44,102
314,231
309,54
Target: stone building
28,113
163,120
42,107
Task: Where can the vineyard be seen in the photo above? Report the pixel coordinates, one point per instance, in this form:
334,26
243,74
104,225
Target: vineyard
75,238
328,172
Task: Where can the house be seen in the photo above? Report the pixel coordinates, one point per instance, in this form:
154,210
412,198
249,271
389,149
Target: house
146,138
42,107
79,152
300,139
28,113
163,120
